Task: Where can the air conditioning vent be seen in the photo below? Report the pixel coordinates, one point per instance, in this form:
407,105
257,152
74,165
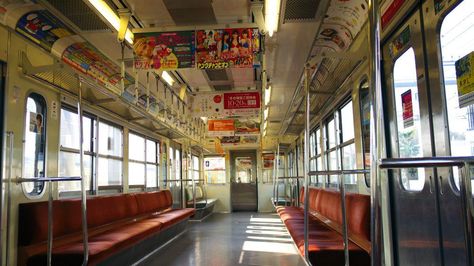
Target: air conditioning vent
300,10
80,14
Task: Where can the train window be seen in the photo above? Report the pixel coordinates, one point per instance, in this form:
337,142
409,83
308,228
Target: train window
456,39
347,145
136,160
164,161
178,164
364,99
214,170
171,163
69,158
341,139
408,118
110,155
152,163
195,168
34,161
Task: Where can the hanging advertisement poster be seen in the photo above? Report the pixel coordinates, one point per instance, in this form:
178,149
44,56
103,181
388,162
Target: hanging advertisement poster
226,48
389,9
239,140
268,160
226,104
407,106
87,59
246,127
218,128
164,50
465,79
41,27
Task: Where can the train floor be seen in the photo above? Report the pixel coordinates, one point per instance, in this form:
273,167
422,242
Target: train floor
240,238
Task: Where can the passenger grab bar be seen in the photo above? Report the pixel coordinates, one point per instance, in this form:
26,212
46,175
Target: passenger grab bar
425,162
50,204
465,188
342,190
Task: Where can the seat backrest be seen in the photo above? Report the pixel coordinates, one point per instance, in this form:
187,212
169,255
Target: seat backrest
102,210
358,214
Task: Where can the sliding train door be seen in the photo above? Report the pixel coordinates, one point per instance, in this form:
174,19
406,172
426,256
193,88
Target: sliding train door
243,167
426,214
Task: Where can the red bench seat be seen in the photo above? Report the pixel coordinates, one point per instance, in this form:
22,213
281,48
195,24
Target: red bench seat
325,227
115,223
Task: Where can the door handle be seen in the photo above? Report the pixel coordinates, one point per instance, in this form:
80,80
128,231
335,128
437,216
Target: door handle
431,184
440,184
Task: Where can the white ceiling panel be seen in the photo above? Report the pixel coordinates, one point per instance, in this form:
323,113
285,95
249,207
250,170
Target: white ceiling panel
151,12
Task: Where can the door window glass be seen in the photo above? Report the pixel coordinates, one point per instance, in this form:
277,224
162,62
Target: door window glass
214,170
34,164
457,41
408,118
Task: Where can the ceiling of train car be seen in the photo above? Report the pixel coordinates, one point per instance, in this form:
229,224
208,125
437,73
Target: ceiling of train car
285,53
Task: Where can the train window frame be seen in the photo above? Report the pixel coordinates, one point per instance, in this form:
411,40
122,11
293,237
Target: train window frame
365,159
456,110
195,172
350,180
70,150
146,161
223,170
41,100
315,155
116,158
420,171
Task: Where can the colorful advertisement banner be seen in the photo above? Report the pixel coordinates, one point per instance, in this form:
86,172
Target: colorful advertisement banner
87,59
164,50
389,10
226,104
232,127
407,106
268,160
239,140
218,128
225,48
465,79
400,42
41,27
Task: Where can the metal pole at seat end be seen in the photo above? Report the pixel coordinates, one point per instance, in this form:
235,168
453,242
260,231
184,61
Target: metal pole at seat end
377,145
306,168
83,181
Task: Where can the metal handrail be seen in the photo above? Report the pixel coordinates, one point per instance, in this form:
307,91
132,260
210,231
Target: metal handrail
463,163
397,163
339,172
50,204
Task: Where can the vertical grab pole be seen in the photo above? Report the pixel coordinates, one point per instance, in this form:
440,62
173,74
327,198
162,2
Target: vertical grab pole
466,201
306,164
274,178
277,159
192,177
83,181
9,196
50,224
376,132
342,190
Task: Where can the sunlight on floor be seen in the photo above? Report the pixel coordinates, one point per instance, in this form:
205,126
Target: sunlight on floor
279,239
264,246
262,232
266,220
258,227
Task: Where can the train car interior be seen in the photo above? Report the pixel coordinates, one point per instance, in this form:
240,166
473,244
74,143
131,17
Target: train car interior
237,132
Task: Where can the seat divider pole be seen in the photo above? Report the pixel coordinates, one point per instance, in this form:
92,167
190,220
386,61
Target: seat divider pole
50,223
83,181
377,145
306,165
342,190
10,135
466,201
191,162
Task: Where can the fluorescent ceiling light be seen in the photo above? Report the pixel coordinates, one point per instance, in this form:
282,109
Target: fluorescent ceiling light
166,76
111,17
265,125
268,94
265,114
272,15
264,132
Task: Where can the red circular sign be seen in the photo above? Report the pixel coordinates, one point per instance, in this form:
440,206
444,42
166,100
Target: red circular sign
217,99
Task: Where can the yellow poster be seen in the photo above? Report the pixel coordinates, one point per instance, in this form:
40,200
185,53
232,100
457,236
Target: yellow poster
465,79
